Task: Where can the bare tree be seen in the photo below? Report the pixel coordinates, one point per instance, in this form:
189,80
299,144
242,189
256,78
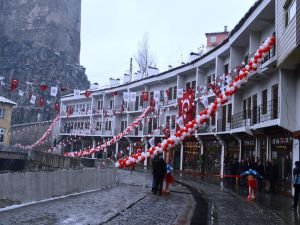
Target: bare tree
143,57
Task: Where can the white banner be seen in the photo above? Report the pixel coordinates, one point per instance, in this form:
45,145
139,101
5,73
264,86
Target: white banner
53,91
202,89
180,93
76,93
21,93
180,122
204,101
151,142
32,99
156,96
126,96
132,96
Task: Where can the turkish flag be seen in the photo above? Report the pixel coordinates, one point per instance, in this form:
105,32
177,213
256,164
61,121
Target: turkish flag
14,84
42,101
145,96
56,107
43,87
87,93
186,106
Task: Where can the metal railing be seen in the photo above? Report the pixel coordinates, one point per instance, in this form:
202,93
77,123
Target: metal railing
240,119
223,125
267,111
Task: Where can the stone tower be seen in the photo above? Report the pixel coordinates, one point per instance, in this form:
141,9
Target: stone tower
40,44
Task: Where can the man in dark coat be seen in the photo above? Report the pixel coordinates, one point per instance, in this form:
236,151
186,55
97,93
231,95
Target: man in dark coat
296,183
159,172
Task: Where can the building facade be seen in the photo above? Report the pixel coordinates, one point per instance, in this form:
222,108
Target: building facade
5,119
258,123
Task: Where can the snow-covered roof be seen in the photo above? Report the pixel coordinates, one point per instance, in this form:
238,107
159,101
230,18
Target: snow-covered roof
5,100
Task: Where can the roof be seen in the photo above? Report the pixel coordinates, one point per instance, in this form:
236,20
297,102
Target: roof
231,33
5,100
214,33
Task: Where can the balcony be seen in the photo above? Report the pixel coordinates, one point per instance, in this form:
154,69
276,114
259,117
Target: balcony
265,112
76,132
223,126
240,120
107,132
170,102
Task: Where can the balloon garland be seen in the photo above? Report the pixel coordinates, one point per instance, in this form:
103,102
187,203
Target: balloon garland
112,141
203,117
42,139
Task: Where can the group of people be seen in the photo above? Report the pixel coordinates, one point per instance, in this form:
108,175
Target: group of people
161,171
269,172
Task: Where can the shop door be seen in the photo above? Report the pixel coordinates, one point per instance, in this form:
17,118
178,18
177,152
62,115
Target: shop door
284,165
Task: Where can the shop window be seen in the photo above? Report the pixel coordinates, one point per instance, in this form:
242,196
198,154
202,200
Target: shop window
290,11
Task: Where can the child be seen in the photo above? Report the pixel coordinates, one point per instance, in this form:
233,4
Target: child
169,178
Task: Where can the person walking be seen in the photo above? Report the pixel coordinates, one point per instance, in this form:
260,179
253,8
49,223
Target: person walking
296,183
159,171
169,178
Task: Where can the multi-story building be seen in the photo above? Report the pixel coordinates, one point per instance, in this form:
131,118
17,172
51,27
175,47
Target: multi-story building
6,106
259,122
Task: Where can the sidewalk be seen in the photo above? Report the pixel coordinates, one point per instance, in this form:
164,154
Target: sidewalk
228,204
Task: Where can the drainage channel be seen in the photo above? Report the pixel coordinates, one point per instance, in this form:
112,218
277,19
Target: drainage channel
119,213
200,216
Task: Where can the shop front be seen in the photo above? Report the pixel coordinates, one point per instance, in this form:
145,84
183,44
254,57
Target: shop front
212,157
282,158
191,154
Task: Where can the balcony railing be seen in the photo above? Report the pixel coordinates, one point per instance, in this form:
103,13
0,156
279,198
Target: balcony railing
240,119
223,125
261,113
170,102
264,112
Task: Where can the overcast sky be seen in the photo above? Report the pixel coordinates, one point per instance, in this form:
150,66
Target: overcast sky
112,29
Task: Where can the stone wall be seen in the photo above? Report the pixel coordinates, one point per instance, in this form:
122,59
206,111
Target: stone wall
24,187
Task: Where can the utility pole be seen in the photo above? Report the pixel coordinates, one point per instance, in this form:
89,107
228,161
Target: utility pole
130,69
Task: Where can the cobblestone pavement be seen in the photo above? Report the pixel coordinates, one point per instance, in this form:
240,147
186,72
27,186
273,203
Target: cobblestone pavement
228,206
129,202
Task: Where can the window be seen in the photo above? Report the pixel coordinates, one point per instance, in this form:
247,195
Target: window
208,80
229,113
175,92
264,101
290,11
173,123
244,108
123,125
167,121
194,84
249,108
100,105
111,104
2,132
155,123
2,111
226,69
141,100
187,85
213,39
170,94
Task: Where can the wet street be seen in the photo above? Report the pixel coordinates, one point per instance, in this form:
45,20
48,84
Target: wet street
192,201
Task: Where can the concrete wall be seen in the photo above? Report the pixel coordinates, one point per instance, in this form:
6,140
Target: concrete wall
26,187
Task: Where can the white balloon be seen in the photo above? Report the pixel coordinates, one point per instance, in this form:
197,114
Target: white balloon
117,164
234,84
147,154
195,126
140,158
247,67
155,152
127,162
219,105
